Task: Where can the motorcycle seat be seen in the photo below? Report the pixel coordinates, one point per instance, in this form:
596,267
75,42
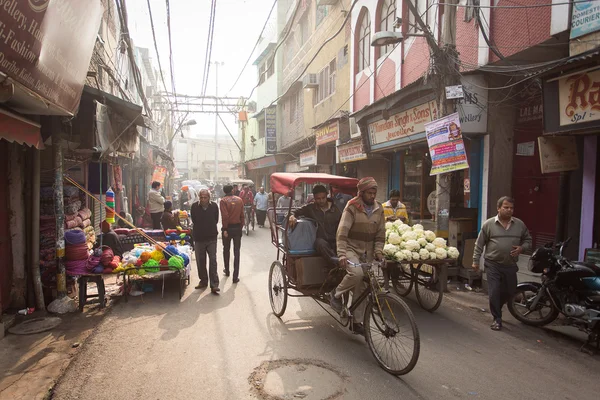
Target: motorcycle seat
586,265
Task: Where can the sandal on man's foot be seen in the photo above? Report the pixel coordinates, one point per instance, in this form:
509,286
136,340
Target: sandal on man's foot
496,326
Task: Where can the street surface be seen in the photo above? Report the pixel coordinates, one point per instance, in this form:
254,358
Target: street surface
208,346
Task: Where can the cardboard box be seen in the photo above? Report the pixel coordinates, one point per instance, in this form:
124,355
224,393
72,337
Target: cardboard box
310,271
457,227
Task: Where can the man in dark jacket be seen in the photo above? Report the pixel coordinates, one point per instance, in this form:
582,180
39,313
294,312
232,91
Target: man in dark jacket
205,216
327,216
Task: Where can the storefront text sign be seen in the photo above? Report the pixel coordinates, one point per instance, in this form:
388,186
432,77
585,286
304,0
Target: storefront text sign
351,152
558,154
401,126
271,130
473,107
446,145
585,18
159,174
579,98
294,167
38,49
264,162
308,158
328,133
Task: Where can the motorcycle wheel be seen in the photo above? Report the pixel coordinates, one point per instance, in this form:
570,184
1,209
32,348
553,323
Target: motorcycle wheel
519,307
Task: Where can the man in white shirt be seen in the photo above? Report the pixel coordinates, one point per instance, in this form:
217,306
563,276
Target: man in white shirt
283,205
261,202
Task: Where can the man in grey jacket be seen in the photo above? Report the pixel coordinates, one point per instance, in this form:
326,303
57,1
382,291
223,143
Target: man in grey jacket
504,238
156,204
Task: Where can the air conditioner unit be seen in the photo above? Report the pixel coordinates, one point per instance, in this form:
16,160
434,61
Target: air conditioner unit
310,81
354,128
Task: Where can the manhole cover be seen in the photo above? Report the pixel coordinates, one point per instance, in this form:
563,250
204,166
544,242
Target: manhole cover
35,325
297,379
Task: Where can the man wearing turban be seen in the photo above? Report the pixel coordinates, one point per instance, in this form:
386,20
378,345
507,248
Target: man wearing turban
360,238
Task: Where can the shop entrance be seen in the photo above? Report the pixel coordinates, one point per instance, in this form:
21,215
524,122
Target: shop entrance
535,194
5,246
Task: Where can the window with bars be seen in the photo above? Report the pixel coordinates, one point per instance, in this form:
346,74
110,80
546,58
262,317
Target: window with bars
326,80
388,17
321,13
364,42
426,11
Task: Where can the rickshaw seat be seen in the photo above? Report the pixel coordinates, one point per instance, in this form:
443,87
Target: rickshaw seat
308,252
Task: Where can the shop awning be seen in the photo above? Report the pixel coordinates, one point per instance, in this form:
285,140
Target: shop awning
130,111
17,129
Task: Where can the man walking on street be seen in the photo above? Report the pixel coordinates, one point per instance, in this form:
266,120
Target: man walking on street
156,204
205,216
261,202
504,238
360,237
232,212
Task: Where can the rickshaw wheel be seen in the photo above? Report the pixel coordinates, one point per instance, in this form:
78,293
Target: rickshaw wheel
402,283
427,288
392,334
278,289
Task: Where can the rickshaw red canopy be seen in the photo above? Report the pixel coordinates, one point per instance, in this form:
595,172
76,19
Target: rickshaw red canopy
283,182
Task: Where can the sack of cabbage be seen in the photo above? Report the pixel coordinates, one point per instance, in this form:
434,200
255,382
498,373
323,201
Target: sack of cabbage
404,243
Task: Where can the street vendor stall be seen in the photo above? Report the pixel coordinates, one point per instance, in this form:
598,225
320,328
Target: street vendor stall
416,257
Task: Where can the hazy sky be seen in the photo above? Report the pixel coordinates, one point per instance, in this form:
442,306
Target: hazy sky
237,26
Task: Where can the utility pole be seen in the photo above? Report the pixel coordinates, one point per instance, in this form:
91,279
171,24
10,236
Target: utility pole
217,121
446,74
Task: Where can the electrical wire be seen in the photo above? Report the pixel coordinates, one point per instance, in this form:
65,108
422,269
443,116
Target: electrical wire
254,48
209,44
519,6
162,77
171,51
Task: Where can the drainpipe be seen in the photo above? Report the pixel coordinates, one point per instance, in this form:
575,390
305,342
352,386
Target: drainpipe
59,211
35,232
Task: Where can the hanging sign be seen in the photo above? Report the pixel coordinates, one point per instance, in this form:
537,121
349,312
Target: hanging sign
473,106
558,154
578,98
328,133
446,145
271,130
159,174
454,92
351,152
308,158
585,18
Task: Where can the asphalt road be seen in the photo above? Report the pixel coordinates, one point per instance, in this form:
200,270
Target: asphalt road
207,346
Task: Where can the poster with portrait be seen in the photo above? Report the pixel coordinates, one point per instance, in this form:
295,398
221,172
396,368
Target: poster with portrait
446,145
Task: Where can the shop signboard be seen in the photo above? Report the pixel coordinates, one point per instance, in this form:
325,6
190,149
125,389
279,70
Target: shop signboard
294,167
473,106
328,133
403,127
271,130
37,48
585,18
558,154
446,145
308,158
263,162
159,174
578,98
351,152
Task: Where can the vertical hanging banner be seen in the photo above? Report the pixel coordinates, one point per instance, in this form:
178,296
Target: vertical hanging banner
446,145
159,175
271,130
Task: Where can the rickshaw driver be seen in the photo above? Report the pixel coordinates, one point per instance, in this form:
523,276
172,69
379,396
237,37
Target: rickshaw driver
327,216
360,237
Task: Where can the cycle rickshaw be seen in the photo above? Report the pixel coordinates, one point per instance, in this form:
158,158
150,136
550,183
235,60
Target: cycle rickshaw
390,328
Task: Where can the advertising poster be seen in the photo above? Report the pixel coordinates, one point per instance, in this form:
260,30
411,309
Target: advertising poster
271,130
446,145
159,175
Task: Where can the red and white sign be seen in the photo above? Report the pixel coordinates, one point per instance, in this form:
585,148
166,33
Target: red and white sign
578,98
327,133
351,152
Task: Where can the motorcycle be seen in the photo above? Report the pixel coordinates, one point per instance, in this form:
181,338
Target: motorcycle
567,287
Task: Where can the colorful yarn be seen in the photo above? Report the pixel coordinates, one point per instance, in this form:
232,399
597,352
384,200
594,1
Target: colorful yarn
171,251
186,259
145,256
157,255
77,252
164,262
176,262
107,256
151,263
110,202
78,267
75,237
